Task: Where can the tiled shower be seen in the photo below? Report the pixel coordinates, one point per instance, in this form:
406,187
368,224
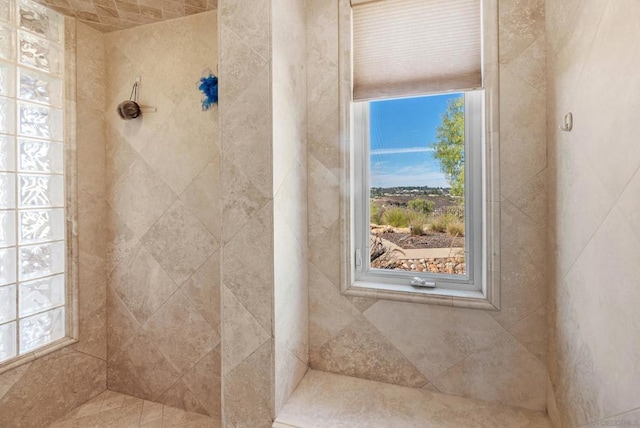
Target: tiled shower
208,243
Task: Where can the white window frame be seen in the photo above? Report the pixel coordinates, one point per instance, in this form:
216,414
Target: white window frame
367,277
488,295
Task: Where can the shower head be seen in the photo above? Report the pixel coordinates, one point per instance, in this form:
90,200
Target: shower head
129,109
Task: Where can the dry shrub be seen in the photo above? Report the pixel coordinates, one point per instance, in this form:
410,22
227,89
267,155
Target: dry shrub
396,217
447,222
455,228
416,223
375,214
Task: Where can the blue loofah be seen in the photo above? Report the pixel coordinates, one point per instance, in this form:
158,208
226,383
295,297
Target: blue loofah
209,87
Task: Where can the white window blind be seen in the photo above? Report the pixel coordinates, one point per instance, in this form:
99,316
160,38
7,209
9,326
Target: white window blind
415,47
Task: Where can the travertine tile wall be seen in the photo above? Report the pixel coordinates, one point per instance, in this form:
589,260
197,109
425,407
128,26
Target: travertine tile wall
163,187
246,121
497,356
264,239
291,291
37,393
593,58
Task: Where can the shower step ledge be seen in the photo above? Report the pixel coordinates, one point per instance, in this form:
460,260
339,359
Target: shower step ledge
329,400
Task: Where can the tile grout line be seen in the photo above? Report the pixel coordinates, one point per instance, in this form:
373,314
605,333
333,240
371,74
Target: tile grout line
245,43
270,336
544,170
593,421
624,189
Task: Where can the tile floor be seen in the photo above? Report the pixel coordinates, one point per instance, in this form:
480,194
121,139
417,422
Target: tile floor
112,409
326,400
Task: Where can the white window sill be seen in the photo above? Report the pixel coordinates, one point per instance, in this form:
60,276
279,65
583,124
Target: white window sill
434,296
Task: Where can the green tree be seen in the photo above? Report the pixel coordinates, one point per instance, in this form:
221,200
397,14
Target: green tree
449,147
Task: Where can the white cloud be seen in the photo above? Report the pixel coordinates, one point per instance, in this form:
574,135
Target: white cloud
402,150
410,176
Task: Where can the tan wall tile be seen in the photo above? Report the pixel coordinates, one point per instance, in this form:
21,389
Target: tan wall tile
592,60
360,350
289,371
179,396
203,197
241,334
247,122
200,292
55,384
517,377
241,200
203,380
434,338
247,266
247,19
248,390
179,242
182,335
163,174
264,207
139,368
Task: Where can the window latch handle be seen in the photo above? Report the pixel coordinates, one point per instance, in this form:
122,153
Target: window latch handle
419,282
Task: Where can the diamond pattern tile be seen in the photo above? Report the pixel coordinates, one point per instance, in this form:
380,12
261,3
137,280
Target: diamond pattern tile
113,409
180,243
113,15
158,237
181,333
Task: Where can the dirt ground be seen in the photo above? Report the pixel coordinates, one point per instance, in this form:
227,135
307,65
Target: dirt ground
429,240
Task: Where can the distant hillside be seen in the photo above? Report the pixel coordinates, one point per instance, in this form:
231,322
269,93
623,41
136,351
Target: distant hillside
414,191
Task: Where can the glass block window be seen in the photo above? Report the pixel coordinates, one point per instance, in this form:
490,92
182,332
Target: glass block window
32,194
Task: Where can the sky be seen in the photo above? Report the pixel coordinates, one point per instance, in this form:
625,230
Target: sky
402,132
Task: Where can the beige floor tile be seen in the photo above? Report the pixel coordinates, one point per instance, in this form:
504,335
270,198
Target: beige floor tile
112,409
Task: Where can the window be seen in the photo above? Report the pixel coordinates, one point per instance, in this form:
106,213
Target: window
423,158
32,179
418,207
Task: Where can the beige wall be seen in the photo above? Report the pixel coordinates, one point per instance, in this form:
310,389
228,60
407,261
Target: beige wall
497,356
291,292
163,217
246,120
264,265
37,393
593,58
